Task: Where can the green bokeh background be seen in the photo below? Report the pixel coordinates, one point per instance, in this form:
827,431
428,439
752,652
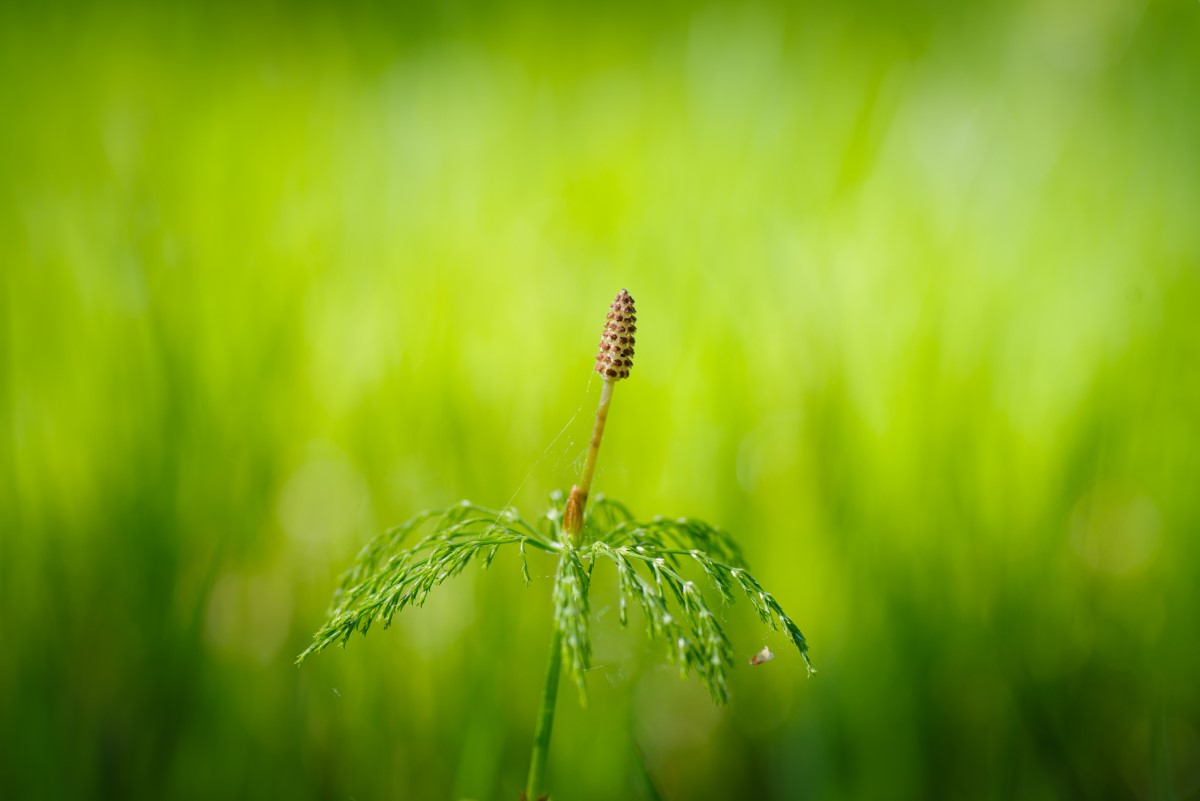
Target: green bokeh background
918,289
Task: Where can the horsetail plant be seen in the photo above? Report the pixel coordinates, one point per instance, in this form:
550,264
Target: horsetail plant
653,560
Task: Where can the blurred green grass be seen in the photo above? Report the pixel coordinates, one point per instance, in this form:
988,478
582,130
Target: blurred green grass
917,291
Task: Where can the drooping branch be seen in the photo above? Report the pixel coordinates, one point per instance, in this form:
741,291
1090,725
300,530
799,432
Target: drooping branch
386,577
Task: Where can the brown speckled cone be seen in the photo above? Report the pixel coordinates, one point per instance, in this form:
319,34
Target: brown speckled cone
616,343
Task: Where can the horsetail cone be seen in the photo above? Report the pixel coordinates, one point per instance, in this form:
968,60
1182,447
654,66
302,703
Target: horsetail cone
616,343
613,362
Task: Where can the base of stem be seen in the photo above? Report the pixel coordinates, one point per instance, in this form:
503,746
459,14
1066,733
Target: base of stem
545,721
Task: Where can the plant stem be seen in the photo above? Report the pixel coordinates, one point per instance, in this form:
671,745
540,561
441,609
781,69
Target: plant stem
545,721
573,515
589,464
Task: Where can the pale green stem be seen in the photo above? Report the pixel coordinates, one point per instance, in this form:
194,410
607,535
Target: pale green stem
572,525
572,528
545,721
589,465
